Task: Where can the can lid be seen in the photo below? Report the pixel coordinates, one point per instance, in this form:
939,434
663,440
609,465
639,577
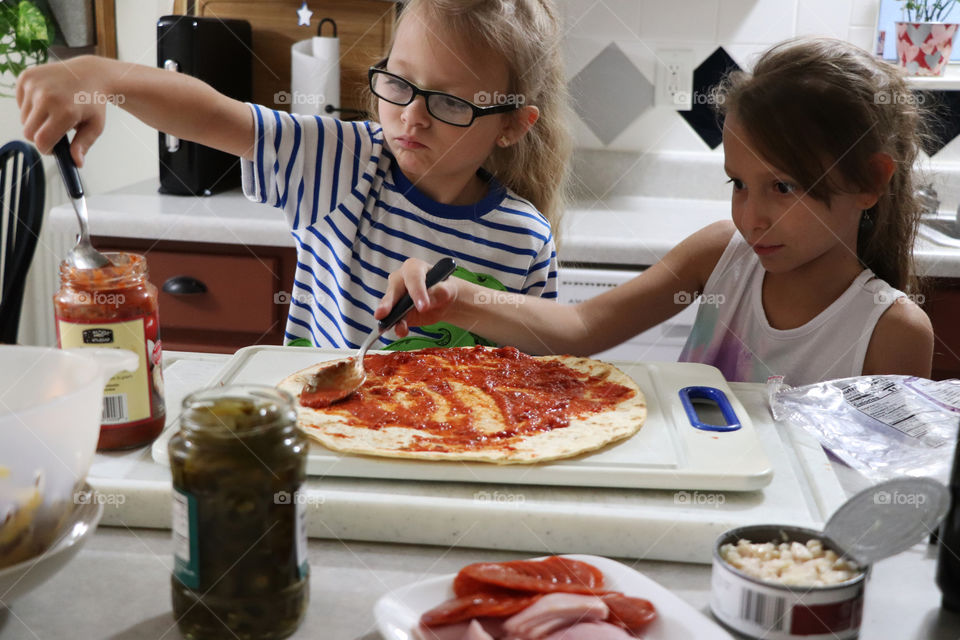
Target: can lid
888,518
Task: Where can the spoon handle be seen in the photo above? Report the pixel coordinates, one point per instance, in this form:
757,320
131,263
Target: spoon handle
68,169
438,273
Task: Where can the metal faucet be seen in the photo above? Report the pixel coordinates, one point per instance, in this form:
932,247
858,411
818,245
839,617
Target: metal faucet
928,200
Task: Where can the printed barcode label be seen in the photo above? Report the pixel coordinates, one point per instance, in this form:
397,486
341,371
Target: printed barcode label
115,409
300,527
181,527
186,564
764,610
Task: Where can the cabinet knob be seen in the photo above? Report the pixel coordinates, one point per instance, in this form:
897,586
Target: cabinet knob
183,285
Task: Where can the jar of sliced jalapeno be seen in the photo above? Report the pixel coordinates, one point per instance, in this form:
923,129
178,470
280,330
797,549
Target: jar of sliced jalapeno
240,567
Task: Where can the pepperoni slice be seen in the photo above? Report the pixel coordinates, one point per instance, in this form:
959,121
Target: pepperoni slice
538,576
478,605
464,585
633,614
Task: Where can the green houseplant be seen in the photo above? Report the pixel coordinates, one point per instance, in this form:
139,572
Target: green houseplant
25,36
924,42
927,10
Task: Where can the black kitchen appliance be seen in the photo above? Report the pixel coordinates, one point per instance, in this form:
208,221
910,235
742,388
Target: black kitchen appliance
219,53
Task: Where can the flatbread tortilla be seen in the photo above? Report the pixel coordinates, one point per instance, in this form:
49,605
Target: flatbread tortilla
490,405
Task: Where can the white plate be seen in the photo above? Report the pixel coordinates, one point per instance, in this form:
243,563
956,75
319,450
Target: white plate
398,612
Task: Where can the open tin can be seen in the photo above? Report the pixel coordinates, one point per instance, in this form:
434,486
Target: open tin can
875,523
773,611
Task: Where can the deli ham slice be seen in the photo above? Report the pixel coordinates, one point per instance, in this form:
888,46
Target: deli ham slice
591,631
554,611
476,632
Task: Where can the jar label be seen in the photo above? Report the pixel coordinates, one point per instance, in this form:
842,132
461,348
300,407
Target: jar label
127,396
186,561
300,531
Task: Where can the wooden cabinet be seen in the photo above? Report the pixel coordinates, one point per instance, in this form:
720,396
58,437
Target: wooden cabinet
365,29
942,304
216,297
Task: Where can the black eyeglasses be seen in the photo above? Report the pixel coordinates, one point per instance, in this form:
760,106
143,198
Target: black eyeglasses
442,106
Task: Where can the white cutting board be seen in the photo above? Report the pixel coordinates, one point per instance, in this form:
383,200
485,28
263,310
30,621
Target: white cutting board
667,453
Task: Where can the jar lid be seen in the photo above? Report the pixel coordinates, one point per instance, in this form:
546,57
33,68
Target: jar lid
237,410
888,518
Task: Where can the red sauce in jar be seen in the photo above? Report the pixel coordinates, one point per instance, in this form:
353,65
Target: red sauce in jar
445,393
116,307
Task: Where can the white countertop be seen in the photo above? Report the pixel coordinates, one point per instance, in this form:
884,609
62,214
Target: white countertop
119,585
635,231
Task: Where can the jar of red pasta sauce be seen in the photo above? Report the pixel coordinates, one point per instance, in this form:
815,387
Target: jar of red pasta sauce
116,306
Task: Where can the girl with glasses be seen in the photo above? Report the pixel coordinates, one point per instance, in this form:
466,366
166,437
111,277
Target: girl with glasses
805,280
467,158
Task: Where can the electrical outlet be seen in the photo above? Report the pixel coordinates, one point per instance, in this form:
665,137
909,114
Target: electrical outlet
674,81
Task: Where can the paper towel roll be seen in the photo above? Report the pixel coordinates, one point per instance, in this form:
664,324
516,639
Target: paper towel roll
314,75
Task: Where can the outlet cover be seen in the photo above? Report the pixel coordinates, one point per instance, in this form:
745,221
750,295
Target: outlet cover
674,81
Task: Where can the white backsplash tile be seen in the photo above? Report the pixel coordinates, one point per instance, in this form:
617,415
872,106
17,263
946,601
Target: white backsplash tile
746,55
824,18
578,52
610,19
863,37
756,21
863,13
670,174
663,21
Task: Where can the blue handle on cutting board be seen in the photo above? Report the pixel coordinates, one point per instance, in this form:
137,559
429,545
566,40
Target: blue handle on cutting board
689,394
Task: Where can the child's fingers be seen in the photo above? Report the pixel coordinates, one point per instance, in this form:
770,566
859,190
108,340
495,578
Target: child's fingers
401,329
415,281
33,123
441,295
87,133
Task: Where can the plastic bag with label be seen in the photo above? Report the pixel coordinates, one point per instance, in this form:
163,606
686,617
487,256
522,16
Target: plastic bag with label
882,426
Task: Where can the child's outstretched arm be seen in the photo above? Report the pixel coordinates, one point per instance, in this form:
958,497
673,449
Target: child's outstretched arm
536,325
54,98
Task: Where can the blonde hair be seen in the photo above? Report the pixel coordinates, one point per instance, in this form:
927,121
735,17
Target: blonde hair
527,34
819,109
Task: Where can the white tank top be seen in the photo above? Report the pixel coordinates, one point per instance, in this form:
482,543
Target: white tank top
731,331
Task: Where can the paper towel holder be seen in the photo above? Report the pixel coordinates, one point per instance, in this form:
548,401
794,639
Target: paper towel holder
333,24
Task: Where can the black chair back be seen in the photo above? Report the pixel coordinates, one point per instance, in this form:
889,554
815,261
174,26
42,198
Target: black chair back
21,214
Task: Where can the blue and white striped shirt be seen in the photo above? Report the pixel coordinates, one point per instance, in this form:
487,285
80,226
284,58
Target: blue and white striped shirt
355,218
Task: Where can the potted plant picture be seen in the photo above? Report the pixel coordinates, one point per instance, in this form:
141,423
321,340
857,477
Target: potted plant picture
25,37
924,41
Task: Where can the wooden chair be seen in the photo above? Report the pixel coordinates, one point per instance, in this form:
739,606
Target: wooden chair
21,214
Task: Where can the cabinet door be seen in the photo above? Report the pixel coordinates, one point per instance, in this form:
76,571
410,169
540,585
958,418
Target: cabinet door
216,298
943,306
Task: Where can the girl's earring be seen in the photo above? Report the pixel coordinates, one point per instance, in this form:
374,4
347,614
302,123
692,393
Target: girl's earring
503,141
866,224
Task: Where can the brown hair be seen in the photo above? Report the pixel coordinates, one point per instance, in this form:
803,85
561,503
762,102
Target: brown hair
818,109
527,33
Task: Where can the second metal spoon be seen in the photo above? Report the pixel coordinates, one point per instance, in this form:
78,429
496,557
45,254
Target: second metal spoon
334,383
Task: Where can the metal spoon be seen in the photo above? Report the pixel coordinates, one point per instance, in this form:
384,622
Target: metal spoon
336,382
83,255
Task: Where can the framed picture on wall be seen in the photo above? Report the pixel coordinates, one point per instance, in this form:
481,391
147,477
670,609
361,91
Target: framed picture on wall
892,11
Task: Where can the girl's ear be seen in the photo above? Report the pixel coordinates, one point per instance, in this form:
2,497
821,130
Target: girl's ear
882,167
517,124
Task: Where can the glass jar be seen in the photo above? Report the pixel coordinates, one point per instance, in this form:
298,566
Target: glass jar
116,306
239,527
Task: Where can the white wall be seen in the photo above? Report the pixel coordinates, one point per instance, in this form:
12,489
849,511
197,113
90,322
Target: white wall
127,150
